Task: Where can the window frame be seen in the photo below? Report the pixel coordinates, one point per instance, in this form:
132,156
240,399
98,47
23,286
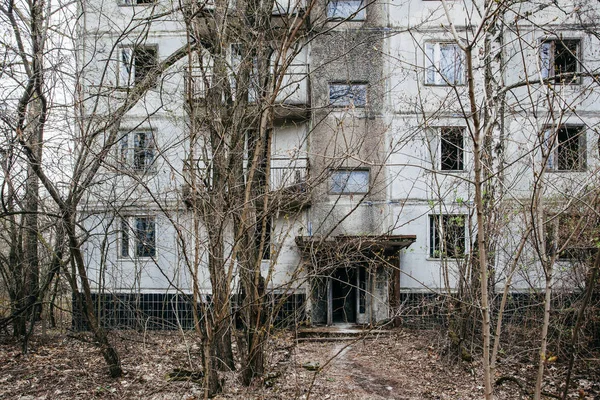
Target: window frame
433,70
128,238
133,3
128,151
349,172
346,100
558,224
554,155
128,76
548,66
357,13
461,149
435,241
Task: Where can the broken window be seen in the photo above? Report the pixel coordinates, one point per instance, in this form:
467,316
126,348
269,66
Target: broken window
451,149
447,236
560,60
569,151
570,236
136,63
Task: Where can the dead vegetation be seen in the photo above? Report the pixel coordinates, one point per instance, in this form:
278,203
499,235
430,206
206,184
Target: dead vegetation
160,365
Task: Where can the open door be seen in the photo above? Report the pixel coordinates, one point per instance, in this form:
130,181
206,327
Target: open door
342,296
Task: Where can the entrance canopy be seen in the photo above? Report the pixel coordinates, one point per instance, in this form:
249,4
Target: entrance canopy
352,248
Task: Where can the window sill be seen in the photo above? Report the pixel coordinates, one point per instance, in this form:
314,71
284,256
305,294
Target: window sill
446,85
566,171
450,171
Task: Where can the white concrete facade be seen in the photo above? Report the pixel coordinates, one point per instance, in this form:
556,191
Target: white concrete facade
399,51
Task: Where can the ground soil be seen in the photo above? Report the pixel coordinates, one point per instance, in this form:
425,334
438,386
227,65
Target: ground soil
403,365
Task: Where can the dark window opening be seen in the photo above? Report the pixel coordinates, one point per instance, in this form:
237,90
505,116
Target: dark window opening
447,236
145,237
560,59
362,290
266,250
569,152
145,61
452,153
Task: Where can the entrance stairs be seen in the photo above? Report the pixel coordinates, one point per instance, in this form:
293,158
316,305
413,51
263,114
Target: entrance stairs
340,333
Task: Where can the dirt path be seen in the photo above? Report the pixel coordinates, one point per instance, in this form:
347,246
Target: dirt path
395,367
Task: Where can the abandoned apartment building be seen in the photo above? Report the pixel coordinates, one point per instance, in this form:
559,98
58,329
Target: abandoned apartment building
369,158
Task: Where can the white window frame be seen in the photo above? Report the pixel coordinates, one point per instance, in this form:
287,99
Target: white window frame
434,64
127,63
440,144
128,151
351,10
548,53
356,187
348,94
129,237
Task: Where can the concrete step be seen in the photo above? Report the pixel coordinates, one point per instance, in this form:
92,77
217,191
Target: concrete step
343,332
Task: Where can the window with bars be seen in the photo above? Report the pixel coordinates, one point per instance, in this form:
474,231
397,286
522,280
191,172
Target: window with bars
447,238
137,237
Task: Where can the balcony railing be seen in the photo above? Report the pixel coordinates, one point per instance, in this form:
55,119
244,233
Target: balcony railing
288,7
285,172
293,90
288,173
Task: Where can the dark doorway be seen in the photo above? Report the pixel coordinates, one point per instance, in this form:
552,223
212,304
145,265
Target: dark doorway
343,295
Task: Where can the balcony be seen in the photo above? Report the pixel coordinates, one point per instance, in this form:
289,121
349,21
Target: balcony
291,103
288,7
287,184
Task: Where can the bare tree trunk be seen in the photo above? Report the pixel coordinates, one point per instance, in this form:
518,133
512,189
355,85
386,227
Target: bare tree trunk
111,357
481,245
